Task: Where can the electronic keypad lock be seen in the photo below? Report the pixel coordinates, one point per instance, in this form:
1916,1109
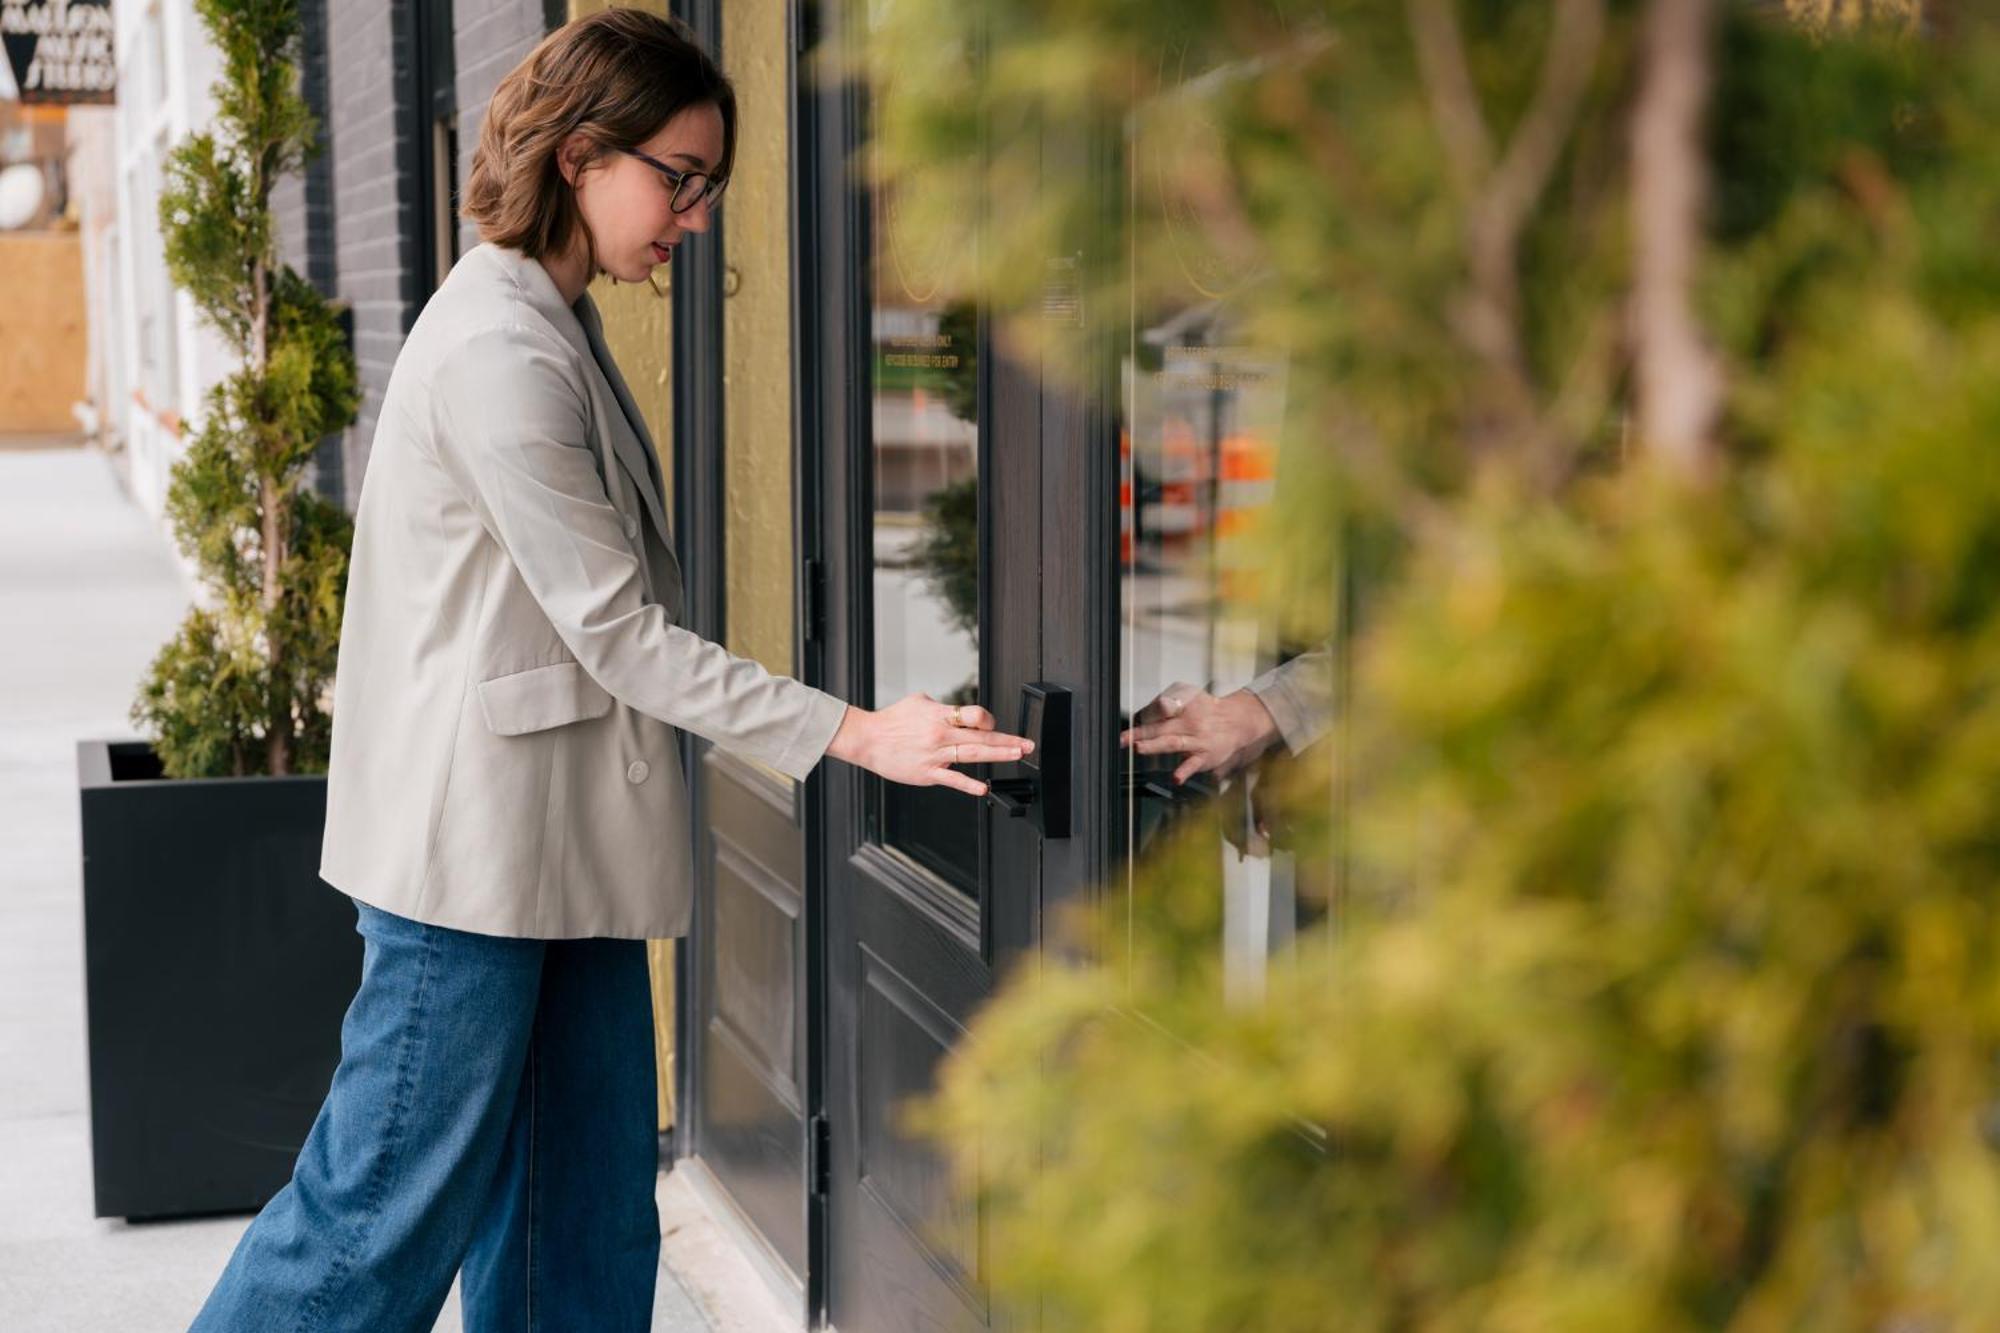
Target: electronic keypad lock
1042,787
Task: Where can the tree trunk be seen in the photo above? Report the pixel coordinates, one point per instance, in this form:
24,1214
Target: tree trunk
1678,380
271,499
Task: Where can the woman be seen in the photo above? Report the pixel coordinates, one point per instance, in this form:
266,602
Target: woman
504,804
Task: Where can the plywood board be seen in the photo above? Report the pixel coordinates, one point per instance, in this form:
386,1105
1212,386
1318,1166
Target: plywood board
44,335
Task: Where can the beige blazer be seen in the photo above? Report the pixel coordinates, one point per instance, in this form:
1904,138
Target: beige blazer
510,674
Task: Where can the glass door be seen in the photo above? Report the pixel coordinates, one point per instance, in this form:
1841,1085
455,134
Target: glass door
935,564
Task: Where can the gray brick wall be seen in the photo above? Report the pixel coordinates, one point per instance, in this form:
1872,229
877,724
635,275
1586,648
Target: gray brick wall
304,203
304,207
372,167
492,37
368,71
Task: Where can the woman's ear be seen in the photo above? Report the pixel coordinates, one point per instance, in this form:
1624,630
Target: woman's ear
569,157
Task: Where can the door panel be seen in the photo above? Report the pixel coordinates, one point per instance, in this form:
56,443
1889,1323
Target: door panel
750,1107
756,927
903,1035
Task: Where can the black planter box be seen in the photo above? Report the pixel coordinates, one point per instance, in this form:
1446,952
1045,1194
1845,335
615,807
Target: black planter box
217,969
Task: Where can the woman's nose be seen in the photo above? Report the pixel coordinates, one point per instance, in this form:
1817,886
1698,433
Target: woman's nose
697,218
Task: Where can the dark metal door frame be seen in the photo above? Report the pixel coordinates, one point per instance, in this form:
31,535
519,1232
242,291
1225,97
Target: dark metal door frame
431,102
695,318
832,326
825,275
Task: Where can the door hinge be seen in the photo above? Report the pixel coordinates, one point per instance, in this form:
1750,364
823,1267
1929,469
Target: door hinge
815,601
819,1165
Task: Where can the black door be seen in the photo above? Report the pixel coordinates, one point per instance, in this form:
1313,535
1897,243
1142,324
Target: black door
969,528
993,526
935,569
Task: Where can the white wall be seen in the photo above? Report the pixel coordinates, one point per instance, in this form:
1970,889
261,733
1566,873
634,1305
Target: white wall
92,170
166,360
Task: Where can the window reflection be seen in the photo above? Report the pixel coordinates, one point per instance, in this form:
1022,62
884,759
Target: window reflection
1200,467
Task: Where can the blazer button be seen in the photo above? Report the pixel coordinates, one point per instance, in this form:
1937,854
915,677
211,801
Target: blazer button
637,773
631,530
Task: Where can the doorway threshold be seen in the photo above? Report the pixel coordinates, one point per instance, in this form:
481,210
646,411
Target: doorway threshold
713,1260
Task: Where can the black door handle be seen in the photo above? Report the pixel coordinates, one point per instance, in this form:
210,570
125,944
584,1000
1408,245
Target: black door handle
1158,785
1015,796
1146,784
1042,788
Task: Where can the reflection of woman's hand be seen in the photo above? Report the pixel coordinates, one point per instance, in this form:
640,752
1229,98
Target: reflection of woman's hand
1218,735
916,740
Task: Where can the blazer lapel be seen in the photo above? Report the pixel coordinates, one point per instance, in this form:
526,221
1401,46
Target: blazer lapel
633,446
580,325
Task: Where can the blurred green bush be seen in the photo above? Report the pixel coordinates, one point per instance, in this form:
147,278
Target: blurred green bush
1661,989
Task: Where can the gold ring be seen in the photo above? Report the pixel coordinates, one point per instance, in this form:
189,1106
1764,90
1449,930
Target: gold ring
954,718
954,754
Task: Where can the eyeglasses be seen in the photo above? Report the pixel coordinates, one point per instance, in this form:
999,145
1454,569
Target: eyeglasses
690,187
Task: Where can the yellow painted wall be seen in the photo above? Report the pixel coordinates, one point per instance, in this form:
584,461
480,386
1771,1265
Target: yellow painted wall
636,322
639,333
638,329
758,374
756,314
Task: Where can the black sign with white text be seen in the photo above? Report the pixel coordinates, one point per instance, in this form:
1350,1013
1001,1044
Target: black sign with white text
60,50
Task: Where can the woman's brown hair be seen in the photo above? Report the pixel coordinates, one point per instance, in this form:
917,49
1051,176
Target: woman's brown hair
615,77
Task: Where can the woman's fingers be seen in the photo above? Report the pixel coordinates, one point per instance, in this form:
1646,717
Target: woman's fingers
1171,702
1147,733
951,777
980,753
970,717
966,736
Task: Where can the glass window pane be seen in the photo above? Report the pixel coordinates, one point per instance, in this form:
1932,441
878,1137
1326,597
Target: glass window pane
925,474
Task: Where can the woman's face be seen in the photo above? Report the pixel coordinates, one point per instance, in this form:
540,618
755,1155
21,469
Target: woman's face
627,203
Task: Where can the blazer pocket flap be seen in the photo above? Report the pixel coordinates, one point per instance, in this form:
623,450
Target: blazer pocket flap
540,698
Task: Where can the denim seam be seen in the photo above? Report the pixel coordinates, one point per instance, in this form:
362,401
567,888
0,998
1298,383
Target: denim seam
534,1100
377,1184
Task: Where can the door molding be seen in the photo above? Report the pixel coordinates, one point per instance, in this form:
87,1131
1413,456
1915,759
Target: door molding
826,273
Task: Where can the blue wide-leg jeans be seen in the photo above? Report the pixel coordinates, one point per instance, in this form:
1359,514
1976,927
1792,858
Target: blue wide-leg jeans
494,1109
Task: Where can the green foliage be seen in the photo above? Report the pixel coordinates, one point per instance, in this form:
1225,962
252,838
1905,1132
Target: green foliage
1662,992
243,687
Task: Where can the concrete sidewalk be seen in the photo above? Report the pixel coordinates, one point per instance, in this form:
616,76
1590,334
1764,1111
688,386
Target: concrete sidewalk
88,592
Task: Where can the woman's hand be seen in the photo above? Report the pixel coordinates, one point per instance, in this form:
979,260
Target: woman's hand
1218,735
917,740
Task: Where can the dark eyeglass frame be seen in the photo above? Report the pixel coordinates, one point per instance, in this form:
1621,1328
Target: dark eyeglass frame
711,189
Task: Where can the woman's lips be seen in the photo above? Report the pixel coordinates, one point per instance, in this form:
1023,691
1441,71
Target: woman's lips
662,254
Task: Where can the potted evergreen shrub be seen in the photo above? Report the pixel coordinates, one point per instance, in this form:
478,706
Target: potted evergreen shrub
217,966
